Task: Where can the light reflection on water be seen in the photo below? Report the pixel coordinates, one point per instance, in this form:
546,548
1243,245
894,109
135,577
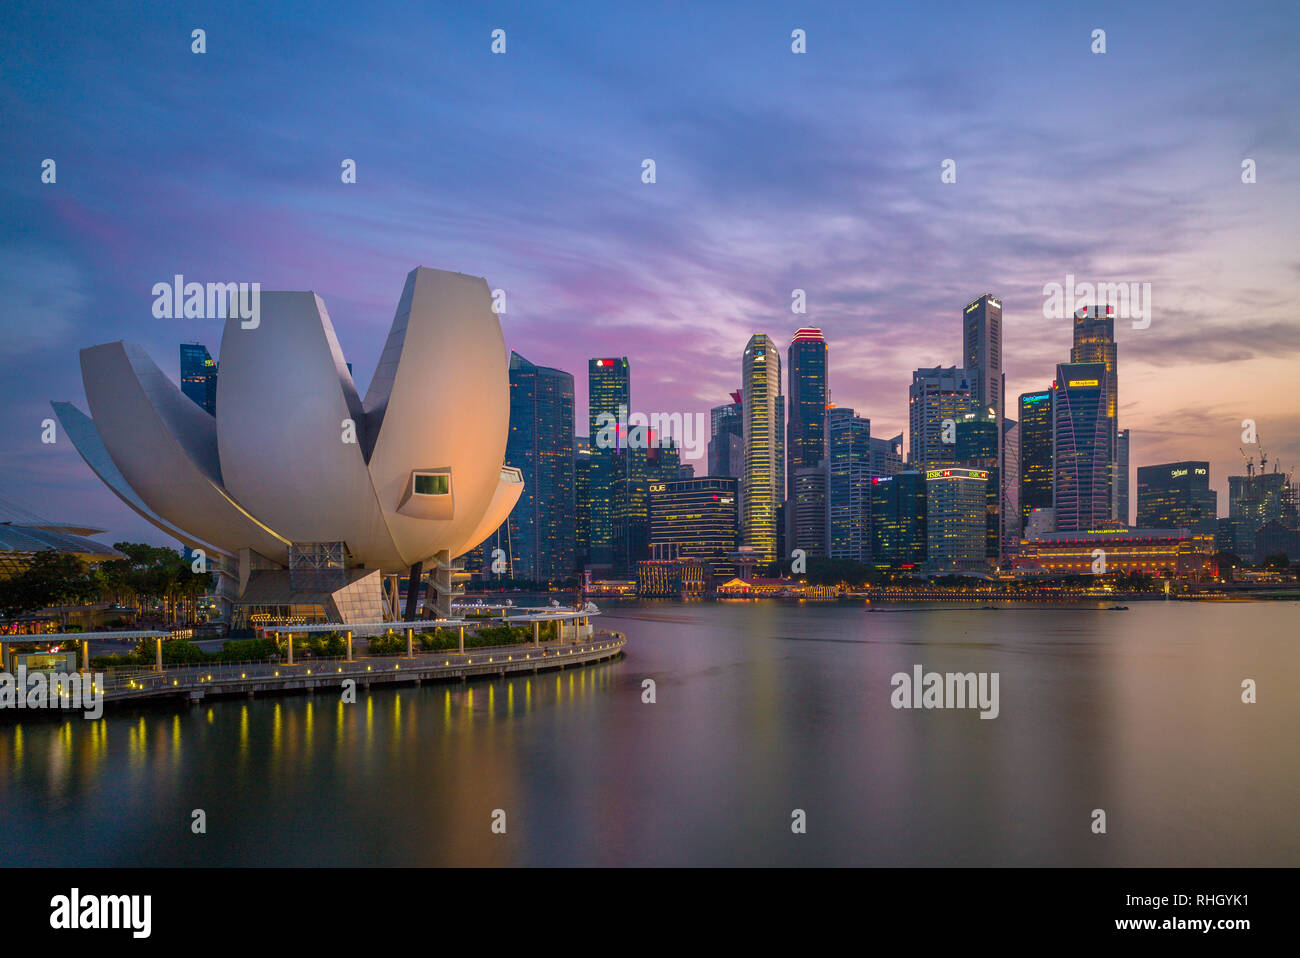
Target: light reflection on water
761,708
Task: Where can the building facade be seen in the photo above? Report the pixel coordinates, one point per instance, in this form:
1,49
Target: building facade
1177,495
543,524
898,520
762,491
1083,475
936,400
1037,468
956,523
199,376
696,519
806,423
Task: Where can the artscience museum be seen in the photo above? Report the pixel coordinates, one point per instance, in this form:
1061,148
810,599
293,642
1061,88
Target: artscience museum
312,500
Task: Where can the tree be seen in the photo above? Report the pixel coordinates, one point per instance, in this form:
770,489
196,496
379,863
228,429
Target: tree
49,579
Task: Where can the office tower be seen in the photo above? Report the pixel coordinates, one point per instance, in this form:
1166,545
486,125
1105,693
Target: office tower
1177,495
808,511
982,348
696,519
982,352
978,446
540,445
1257,501
582,462
936,396
848,486
886,456
1083,493
806,430
898,520
1121,477
726,445
764,419
199,376
1094,342
609,386
686,471
956,527
1036,429
1010,512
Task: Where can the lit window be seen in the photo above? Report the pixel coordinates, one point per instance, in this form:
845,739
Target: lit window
438,484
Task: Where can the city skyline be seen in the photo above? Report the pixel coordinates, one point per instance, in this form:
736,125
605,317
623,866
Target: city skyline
779,183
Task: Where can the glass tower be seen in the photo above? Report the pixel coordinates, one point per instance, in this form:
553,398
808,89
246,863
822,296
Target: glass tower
764,420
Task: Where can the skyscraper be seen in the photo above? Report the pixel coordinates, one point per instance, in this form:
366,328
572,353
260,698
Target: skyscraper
1121,477
764,419
982,345
697,518
848,486
809,511
898,520
726,445
978,446
1010,512
808,392
199,376
540,445
1094,342
1083,486
956,525
937,396
1037,428
1177,495
582,462
609,386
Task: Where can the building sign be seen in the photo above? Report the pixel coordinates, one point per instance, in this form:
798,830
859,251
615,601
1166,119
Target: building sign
1083,382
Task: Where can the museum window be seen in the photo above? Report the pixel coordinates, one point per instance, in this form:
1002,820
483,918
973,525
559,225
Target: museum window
436,484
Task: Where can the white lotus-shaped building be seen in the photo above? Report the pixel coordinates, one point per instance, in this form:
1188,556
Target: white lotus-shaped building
296,475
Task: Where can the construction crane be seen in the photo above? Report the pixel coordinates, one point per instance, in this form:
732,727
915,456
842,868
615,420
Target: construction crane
1250,462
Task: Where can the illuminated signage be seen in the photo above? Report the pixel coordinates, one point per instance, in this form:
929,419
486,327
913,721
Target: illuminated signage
1083,382
956,474
657,488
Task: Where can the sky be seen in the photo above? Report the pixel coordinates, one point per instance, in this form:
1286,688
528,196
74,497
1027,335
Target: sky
773,171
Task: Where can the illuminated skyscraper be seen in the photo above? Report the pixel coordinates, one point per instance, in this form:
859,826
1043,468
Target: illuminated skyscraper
808,393
543,522
764,419
898,520
936,396
696,519
956,524
1177,495
1094,342
1121,477
848,487
726,445
199,376
609,386
1085,451
1036,429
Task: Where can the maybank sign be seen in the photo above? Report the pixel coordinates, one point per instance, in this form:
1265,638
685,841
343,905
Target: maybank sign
957,474
1083,382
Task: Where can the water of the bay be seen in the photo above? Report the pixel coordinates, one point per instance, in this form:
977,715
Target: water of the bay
761,708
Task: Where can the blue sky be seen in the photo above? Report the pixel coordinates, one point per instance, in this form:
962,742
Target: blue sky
774,171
